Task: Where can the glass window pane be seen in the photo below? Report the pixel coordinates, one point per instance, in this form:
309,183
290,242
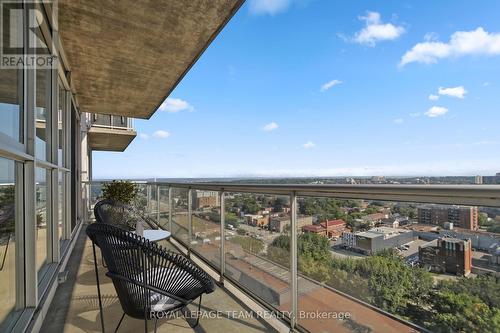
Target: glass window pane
7,239
41,219
61,116
61,205
42,109
10,110
11,88
42,113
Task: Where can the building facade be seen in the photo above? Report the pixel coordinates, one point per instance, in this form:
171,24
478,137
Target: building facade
465,217
447,255
281,223
376,239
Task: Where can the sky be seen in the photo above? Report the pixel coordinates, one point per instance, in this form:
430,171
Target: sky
331,88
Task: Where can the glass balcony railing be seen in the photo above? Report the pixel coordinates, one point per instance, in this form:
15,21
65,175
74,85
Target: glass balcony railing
344,258
110,121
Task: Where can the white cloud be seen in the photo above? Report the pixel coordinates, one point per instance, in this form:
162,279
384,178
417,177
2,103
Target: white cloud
270,7
309,145
143,136
486,84
270,127
433,97
462,43
330,84
376,31
398,121
458,92
436,111
415,114
161,134
175,105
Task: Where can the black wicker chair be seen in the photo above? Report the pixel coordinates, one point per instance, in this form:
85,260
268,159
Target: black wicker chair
150,281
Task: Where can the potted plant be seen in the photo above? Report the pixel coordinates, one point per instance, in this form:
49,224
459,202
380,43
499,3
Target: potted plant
124,194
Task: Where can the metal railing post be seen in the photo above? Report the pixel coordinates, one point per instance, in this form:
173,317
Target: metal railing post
158,204
190,218
170,210
148,199
293,259
222,236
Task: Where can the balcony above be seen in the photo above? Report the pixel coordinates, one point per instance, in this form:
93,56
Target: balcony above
127,56
110,133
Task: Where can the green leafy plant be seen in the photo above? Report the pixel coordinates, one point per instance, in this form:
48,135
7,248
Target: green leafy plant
120,191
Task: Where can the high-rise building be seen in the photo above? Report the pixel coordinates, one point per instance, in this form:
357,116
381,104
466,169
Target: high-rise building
465,217
478,180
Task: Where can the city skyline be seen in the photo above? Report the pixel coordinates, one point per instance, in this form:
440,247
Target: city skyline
313,88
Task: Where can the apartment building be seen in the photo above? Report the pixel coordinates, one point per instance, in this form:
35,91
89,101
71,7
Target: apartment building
447,255
465,217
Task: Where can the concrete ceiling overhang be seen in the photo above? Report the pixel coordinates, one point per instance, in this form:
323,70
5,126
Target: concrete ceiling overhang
127,56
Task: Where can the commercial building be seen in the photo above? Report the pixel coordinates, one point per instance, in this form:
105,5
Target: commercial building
465,217
280,223
447,255
334,228
314,229
376,239
257,220
205,199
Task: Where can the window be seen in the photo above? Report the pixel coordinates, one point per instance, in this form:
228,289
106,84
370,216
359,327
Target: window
11,115
61,206
8,194
10,109
42,110
61,125
42,222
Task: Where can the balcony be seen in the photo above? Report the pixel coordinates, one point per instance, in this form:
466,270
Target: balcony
270,281
110,133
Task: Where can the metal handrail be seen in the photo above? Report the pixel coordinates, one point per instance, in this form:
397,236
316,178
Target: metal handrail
471,195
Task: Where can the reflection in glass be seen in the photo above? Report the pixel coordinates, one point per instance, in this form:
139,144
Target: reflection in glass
7,238
41,113
41,219
61,206
11,87
61,126
180,214
206,224
257,234
10,111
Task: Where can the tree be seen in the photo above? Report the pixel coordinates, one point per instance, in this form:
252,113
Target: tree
463,312
278,204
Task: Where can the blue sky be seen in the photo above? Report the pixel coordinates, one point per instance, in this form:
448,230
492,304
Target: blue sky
332,88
